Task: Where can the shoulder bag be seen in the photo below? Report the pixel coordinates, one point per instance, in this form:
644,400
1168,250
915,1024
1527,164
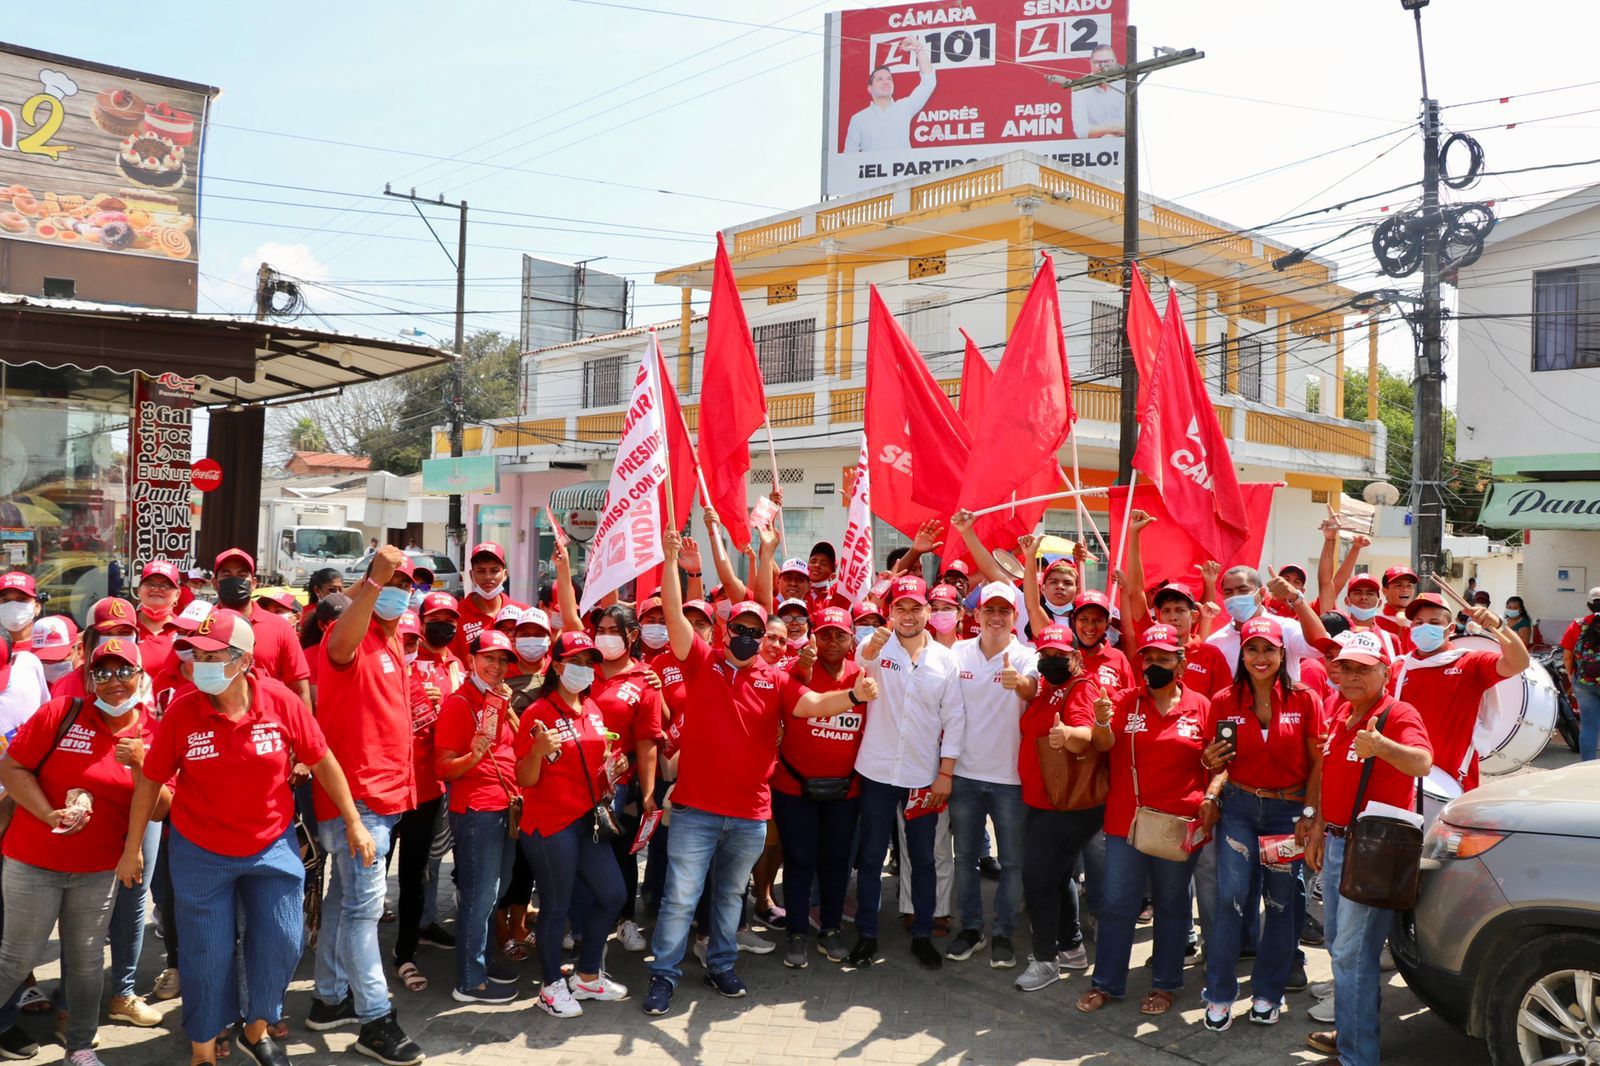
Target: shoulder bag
602,820
1074,782
1156,833
1382,856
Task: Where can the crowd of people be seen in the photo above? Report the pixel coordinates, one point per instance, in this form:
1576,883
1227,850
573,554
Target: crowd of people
1167,755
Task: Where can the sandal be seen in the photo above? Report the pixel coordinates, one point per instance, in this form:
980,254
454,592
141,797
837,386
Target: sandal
34,1001
224,1047
413,978
1159,1001
279,1030
1093,1000
515,950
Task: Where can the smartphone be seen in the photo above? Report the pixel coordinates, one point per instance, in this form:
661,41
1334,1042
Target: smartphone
1229,732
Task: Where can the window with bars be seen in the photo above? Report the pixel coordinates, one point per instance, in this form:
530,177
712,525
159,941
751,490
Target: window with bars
927,323
787,350
1105,339
602,382
1566,324
1248,351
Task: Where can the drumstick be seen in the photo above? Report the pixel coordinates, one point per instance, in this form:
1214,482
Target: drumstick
1450,592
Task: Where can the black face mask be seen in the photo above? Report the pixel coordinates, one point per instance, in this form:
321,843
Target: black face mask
233,591
1159,676
438,634
743,647
1594,606
1056,671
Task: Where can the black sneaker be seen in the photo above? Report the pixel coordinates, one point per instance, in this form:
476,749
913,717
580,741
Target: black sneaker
830,942
501,972
794,952
989,868
17,1045
437,936
385,1041
863,955
265,1052
922,947
1002,956
658,1000
488,992
324,1016
1297,979
727,982
1311,934
964,944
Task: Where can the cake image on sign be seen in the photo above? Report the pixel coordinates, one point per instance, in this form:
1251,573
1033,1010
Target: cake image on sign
164,120
151,160
119,112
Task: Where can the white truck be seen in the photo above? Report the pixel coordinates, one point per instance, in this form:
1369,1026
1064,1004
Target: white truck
301,537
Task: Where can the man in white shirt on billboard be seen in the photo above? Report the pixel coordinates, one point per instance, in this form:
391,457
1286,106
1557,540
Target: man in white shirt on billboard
885,124
1098,111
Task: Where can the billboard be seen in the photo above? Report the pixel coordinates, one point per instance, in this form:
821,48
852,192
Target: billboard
913,89
566,302
158,471
98,157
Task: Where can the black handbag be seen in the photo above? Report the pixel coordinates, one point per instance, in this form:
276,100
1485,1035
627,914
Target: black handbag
819,789
603,822
1382,856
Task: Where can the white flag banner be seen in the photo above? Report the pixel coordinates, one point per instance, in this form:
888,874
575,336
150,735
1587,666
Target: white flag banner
627,539
855,557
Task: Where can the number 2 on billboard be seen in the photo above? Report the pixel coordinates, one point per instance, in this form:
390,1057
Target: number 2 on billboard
1041,40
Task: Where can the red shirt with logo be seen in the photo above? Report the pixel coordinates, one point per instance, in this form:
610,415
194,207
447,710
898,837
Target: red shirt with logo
730,741
1110,668
425,715
573,783
1395,624
278,654
631,708
1341,770
364,708
217,761
823,747
85,758
1278,757
474,619
1205,668
674,701
1074,702
1447,688
1167,750
464,714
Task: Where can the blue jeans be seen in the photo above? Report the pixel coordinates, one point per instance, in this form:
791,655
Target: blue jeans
1588,719
816,839
561,862
349,961
483,864
972,803
127,921
1245,819
1356,934
269,889
1126,871
725,847
880,805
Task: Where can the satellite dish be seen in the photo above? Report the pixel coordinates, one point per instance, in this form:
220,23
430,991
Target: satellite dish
1447,561
1381,494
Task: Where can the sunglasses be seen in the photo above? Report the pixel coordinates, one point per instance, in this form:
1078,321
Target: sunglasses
100,675
746,631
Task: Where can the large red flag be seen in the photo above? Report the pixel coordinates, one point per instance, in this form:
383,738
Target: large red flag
1182,448
733,402
680,447
976,373
1170,553
1144,338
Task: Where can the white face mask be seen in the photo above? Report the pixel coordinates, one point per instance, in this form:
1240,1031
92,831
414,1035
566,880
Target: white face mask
411,657
531,649
864,634
489,592
575,677
117,710
611,646
654,635
15,615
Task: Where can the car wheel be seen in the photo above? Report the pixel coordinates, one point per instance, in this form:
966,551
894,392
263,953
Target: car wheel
1544,1006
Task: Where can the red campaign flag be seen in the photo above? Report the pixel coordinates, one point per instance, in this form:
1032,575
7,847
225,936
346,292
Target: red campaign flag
1170,553
680,446
976,373
731,387
1144,338
1182,448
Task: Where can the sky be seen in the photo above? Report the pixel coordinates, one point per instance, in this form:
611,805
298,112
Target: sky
632,131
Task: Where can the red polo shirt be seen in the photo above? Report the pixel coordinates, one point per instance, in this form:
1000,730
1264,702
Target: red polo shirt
1341,770
364,708
1074,702
674,700
631,708
278,654
823,747
424,716
1167,749
1447,694
460,717
1278,757
217,761
474,619
570,786
1109,667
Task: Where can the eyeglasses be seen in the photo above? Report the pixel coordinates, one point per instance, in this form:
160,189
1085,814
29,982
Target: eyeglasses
746,631
100,675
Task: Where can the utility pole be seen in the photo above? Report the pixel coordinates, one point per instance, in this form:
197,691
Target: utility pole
1427,442
1129,74
455,531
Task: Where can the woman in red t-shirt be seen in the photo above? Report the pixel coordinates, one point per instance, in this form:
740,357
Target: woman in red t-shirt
61,855
472,751
1274,762
561,750
1157,754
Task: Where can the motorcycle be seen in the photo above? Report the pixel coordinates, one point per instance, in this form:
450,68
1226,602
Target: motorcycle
1566,717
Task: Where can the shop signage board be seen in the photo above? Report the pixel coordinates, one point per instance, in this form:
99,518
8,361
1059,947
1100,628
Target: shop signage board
470,473
1542,505
158,471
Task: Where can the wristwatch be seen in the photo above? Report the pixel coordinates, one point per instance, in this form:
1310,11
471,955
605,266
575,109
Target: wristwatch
1308,812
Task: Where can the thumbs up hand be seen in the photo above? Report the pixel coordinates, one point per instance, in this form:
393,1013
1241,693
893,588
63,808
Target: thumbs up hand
1102,708
1369,741
1058,734
1279,588
808,655
1009,678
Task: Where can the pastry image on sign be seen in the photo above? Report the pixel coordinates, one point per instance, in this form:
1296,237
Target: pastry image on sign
150,159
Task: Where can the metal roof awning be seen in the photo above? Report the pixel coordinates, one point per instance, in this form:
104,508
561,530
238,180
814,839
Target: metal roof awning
234,360
584,496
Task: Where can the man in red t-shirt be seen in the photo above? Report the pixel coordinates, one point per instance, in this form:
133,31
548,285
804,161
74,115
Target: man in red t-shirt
721,802
278,654
1580,646
1447,684
1399,588
485,596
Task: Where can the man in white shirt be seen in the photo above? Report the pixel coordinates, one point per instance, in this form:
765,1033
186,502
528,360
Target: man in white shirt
885,124
911,741
1100,110
996,678
1243,599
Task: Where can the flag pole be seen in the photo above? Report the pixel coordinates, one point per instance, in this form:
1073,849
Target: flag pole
1040,499
668,517
1083,513
699,471
1122,544
772,454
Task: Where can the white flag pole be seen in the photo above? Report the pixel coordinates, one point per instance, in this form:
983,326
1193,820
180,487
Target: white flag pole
1127,516
1073,494
772,454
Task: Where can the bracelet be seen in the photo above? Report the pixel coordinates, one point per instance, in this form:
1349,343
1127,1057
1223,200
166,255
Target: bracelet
374,584
946,773
1209,798
692,573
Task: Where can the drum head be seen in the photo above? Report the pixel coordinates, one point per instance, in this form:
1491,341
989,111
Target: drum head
1516,716
1009,563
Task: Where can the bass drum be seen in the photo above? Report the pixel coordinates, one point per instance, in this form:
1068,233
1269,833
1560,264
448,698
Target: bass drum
1516,717
1438,789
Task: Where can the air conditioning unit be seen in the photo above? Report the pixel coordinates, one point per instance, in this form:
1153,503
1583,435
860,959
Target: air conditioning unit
1391,522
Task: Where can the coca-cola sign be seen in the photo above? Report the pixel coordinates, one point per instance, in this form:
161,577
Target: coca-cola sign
158,473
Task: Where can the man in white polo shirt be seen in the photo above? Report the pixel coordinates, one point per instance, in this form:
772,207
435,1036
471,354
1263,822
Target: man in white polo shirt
997,677
911,741
885,124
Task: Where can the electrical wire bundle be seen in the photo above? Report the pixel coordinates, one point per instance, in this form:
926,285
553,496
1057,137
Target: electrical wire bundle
1398,241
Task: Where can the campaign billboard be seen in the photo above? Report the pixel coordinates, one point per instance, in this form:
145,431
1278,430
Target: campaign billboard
98,157
913,89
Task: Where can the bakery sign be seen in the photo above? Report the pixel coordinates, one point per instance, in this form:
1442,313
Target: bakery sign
98,157
158,473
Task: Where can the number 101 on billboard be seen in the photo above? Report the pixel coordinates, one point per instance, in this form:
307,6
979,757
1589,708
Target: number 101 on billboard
969,46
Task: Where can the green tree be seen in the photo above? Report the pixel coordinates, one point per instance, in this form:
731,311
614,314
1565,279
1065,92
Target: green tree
307,436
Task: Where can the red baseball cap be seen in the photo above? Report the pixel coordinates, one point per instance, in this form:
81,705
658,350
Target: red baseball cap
493,640
510,614
648,604
234,553
863,609
703,607
572,642
908,587
489,548
285,601
1360,646
1092,598
1364,581
957,566
792,602
748,607
1265,628
944,593
409,624
533,616
1395,573
220,629
434,602
834,618
1169,590
160,568
1425,599
407,566
1160,637
1057,638
111,612
1296,567
53,637
117,648
16,579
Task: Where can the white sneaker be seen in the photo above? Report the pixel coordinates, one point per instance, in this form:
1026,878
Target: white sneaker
84,1057
630,936
567,943
1073,959
1323,1011
701,946
1322,989
749,941
556,1000
1386,960
603,988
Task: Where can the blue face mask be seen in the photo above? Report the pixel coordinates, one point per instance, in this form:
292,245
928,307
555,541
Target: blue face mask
1241,608
1059,612
1363,614
212,678
1427,637
392,603
117,710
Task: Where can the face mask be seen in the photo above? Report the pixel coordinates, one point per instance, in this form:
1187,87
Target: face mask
233,591
15,615
1427,637
416,600
1241,608
575,677
942,621
489,592
158,614
864,634
1056,671
391,604
610,646
438,634
654,635
212,678
797,644
1362,614
532,649
54,672
1594,606
743,647
1158,676
117,710
1059,612
822,586
724,610
1513,612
